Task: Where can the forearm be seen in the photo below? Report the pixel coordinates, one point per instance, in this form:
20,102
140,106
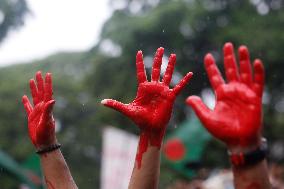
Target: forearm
146,176
252,177
56,171
41,127
254,173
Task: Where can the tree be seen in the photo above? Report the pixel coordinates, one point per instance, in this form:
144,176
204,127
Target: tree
12,15
189,28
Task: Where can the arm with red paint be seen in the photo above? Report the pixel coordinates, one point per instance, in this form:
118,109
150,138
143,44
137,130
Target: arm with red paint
41,126
237,116
150,111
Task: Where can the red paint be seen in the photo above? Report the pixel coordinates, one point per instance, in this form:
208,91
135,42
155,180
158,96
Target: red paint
151,109
41,124
49,184
174,149
237,116
143,144
253,185
237,159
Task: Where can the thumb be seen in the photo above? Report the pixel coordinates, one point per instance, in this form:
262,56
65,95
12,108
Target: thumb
46,116
45,133
122,108
200,109
48,108
118,106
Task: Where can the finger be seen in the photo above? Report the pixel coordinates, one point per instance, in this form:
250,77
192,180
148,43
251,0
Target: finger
140,68
40,86
245,67
27,105
200,109
177,89
48,108
258,77
213,72
123,108
36,111
45,127
48,87
34,91
231,68
157,64
170,69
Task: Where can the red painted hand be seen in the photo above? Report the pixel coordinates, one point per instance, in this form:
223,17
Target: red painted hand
237,116
152,107
41,124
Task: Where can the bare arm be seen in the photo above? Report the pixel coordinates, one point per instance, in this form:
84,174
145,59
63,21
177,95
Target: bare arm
41,126
254,177
61,178
151,112
149,173
237,116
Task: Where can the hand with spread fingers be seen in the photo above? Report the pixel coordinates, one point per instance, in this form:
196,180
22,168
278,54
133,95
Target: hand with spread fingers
151,109
40,120
237,116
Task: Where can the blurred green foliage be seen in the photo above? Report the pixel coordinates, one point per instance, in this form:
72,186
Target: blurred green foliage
12,13
189,28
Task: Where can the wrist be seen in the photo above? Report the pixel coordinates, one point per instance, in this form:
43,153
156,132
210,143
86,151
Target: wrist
148,138
246,147
249,155
48,149
243,149
155,136
46,144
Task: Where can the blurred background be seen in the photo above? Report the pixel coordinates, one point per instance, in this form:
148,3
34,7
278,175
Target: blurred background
90,48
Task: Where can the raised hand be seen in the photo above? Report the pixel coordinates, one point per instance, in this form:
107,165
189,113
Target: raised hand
237,116
41,124
151,109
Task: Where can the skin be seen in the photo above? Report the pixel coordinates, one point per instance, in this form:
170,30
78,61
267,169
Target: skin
41,127
150,111
237,116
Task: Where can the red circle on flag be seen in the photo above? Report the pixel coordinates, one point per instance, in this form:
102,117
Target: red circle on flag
174,149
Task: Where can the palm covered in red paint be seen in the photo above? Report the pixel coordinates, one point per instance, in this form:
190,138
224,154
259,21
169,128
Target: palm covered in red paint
236,118
152,107
40,120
